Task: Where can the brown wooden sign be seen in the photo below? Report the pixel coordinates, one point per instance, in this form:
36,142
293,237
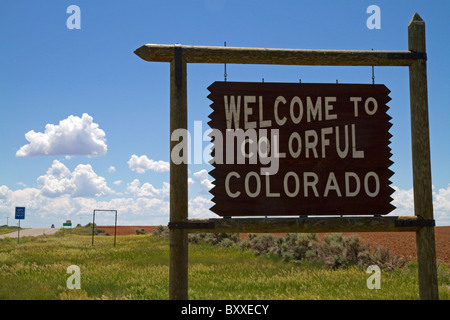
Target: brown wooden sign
300,149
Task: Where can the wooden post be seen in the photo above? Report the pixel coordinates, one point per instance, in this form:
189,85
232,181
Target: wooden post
423,201
93,228
115,228
178,265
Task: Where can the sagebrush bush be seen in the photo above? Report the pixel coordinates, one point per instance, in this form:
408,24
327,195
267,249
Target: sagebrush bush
300,246
161,232
384,258
335,251
140,231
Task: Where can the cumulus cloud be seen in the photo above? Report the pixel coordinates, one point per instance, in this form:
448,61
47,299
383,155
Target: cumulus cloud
82,182
202,178
142,164
441,206
148,190
72,136
112,169
199,208
4,192
442,199
404,202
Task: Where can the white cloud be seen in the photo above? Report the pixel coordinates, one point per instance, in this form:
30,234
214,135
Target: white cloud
148,190
112,169
28,197
442,199
4,192
118,182
88,183
82,182
441,206
57,180
45,210
72,136
199,208
142,164
403,200
202,178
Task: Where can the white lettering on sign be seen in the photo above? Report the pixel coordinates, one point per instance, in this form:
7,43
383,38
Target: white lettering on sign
351,186
314,110
309,144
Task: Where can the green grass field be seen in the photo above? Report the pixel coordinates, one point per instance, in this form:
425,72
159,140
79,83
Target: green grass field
138,269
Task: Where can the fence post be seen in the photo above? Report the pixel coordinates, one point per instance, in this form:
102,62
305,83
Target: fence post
178,265
420,140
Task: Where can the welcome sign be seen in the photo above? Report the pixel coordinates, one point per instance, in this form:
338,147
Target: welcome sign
300,149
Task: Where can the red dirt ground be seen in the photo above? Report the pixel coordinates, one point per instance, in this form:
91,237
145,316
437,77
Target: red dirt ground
401,243
404,243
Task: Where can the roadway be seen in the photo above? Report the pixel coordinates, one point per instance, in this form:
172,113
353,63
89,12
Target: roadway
33,232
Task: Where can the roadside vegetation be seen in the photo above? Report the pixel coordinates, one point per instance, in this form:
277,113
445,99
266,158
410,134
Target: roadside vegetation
82,230
7,229
334,252
220,267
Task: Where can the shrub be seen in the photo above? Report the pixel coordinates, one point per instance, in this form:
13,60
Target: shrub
383,258
335,251
140,231
224,239
227,242
196,237
87,229
300,246
161,232
265,244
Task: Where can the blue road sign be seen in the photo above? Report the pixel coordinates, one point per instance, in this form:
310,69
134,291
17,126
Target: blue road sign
20,213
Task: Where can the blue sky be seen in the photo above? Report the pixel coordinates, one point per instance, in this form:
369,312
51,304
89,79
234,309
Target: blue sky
89,81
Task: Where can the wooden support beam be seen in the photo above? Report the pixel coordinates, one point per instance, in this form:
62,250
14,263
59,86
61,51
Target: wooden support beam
420,141
303,225
178,265
205,54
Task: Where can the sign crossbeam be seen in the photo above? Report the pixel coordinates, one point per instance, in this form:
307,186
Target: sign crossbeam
304,225
240,55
